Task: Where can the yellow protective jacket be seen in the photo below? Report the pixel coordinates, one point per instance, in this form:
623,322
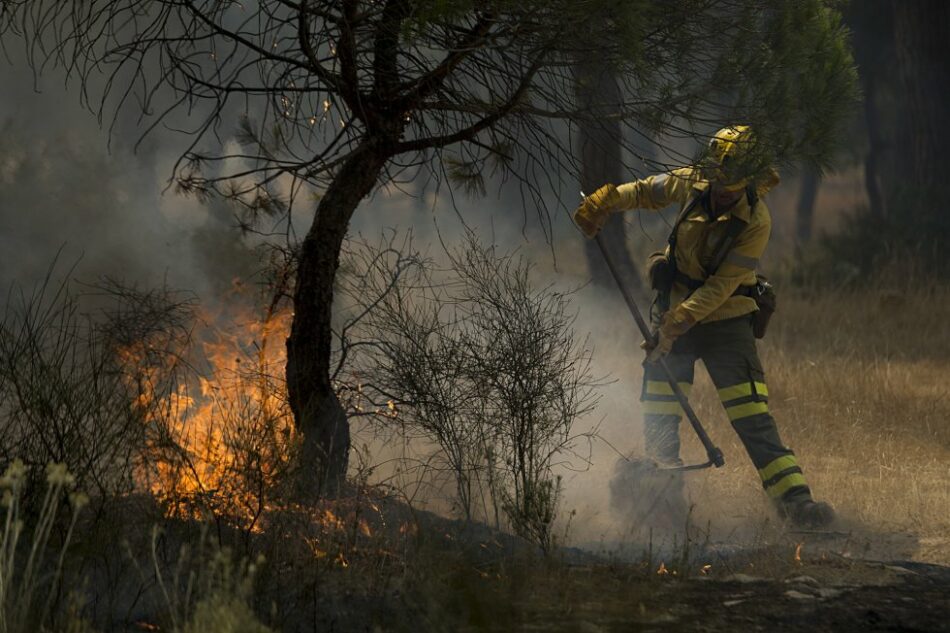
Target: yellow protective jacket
697,237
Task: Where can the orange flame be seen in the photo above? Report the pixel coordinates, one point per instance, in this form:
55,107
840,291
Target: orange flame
220,439
220,436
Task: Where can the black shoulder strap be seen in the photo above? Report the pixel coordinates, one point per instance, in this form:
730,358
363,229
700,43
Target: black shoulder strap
687,207
734,227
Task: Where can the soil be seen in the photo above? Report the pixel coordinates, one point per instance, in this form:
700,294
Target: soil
801,581
896,598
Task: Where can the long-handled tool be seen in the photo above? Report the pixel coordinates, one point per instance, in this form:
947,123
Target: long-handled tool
621,271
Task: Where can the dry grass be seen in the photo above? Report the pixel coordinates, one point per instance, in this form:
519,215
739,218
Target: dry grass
858,383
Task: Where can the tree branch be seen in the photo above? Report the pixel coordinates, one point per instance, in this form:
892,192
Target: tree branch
428,83
386,50
485,123
346,53
313,62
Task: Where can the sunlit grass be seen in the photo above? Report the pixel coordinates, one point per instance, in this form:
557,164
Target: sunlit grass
858,384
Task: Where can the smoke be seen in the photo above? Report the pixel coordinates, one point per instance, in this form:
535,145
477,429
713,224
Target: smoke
68,189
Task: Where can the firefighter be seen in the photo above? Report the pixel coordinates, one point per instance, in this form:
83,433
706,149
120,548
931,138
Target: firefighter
708,313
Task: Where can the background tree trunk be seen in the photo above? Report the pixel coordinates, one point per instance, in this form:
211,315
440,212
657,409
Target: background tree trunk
872,171
922,48
602,160
318,415
872,25
923,135
805,213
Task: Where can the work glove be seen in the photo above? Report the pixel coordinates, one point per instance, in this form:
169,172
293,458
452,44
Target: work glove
593,211
673,324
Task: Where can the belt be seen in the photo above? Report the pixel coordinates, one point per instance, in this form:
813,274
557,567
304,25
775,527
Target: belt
695,284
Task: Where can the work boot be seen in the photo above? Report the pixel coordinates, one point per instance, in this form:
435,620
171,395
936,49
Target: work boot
805,512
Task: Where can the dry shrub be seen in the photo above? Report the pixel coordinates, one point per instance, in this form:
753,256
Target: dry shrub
31,561
137,391
66,392
481,363
207,589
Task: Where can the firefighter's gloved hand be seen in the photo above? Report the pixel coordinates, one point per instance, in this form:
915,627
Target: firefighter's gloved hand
593,211
673,324
658,348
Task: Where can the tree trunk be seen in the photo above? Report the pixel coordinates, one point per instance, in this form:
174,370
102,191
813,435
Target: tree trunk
317,412
805,214
872,175
602,161
872,26
923,48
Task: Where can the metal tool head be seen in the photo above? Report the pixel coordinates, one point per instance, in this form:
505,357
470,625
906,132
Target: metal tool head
645,493
685,467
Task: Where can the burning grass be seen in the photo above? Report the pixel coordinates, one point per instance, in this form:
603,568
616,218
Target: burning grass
221,437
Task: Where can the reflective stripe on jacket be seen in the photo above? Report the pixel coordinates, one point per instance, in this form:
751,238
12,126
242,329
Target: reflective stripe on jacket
697,237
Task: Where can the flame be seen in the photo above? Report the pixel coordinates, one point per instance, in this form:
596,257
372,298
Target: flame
364,528
798,553
220,438
315,547
221,435
331,520
705,569
662,570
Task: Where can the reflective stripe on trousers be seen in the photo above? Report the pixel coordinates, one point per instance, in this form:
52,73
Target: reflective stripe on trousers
727,348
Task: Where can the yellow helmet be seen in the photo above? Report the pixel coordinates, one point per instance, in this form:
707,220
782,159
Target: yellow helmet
731,161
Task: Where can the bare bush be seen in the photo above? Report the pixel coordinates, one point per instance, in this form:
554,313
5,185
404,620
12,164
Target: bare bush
482,363
114,382
409,353
536,377
67,392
